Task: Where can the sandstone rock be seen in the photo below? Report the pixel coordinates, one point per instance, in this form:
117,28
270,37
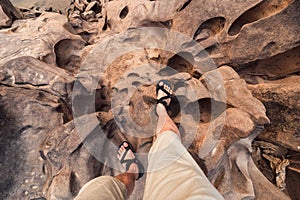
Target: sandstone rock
273,68
122,15
53,4
8,13
235,93
240,37
36,11
30,73
41,38
237,177
65,158
281,96
217,115
86,19
26,118
214,138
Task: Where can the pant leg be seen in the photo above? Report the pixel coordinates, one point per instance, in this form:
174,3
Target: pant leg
104,188
173,174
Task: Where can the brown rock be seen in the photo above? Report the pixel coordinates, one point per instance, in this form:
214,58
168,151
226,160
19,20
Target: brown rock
26,118
281,99
214,138
232,34
125,14
273,68
234,92
30,73
8,13
82,150
41,38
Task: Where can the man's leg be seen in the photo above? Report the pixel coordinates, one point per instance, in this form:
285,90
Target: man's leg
108,187
129,177
172,172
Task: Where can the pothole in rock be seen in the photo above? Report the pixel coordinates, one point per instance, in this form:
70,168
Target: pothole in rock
264,9
209,28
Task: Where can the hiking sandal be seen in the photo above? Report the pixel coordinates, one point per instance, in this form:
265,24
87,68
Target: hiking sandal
129,162
161,85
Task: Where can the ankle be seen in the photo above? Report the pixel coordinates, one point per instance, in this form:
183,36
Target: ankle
161,109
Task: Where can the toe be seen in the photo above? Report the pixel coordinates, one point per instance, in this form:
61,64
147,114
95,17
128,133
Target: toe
122,148
120,151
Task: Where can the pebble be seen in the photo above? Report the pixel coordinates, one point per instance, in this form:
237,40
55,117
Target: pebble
26,193
34,187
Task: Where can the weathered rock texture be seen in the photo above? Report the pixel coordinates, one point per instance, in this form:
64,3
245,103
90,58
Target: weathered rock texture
8,13
73,87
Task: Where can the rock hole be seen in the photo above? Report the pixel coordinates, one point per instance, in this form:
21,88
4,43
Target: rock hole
136,75
184,5
168,23
182,62
42,155
210,49
106,25
136,83
167,71
269,47
210,109
124,12
85,35
262,10
74,184
66,58
209,28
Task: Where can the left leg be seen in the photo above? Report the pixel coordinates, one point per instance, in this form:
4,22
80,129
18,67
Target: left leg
119,187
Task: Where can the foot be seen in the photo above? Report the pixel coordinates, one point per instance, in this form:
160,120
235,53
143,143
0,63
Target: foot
129,161
164,94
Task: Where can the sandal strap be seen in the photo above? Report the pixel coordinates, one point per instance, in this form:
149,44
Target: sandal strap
164,103
163,89
168,94
129,162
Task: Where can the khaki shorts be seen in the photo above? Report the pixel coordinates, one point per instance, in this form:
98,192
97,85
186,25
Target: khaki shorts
172,174
104,188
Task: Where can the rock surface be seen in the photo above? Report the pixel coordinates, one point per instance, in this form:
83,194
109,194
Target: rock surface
281,96
35,113
73,87
43,38
8,13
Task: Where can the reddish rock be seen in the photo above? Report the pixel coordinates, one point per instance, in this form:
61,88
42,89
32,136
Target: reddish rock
8,13
281,99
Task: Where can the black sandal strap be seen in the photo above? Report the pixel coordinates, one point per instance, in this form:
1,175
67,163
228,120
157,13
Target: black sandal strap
168,95
158,87
164,103
129,162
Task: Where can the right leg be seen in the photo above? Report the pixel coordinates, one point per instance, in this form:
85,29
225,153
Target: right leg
172,172
164,122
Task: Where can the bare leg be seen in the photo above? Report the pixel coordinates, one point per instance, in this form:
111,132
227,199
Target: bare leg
165,123
129,177
129,181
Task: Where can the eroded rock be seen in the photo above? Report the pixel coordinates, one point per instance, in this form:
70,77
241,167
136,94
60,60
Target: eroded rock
217,115
38,37
235,92
26,118
281,96
8,13
240,36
